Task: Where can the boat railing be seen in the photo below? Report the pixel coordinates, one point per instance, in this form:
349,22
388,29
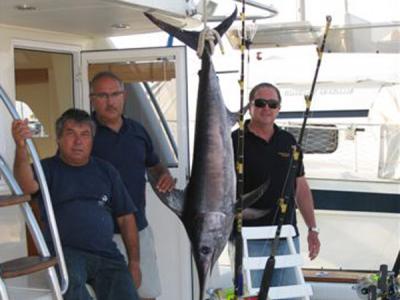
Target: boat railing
40,243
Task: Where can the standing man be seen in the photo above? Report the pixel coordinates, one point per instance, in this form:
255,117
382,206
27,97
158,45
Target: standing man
87,195
267,151
126,144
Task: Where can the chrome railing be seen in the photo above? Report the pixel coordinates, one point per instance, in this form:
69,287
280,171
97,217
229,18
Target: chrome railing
38,238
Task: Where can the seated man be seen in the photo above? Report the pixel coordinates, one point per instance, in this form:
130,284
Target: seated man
86,193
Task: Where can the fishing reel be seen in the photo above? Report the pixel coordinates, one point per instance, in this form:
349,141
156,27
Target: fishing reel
381,286
220,294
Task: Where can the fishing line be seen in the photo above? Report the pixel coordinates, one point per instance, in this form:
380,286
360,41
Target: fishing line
238,270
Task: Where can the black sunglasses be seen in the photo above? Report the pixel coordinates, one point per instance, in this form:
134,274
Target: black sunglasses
272,103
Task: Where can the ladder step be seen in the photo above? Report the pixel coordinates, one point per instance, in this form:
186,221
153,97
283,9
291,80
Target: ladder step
290,291
281,261
13,200
25,265
286,291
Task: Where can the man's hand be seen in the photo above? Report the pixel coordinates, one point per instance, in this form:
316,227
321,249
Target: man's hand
134,268
313,244
166,183
21,132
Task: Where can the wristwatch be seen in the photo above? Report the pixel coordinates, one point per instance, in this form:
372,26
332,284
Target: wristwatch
314,229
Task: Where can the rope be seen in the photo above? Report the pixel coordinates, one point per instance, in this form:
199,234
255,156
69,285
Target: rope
208,34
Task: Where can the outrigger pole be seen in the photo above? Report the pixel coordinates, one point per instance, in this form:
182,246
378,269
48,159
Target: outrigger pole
288,192
238,272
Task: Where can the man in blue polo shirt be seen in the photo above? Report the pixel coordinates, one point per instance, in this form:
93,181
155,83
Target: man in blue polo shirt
126,144
87,194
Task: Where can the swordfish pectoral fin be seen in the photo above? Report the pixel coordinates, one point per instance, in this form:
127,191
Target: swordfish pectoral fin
234,117
254,213
174,200
252,197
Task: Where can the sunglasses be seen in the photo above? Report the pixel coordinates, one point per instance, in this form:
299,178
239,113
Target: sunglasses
272,103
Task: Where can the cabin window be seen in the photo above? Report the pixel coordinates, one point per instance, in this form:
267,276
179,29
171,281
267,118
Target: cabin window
44,90
317,139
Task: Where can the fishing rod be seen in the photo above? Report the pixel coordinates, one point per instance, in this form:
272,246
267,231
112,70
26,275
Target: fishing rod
396,266
288,189
308,98
238,270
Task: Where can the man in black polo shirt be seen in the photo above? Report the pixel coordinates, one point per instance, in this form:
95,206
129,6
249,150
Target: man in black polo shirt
266,154
87,194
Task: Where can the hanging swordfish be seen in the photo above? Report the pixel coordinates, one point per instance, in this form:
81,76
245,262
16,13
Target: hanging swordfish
207,205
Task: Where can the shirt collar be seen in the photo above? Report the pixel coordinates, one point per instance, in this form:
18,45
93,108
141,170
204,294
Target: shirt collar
277,129
100,125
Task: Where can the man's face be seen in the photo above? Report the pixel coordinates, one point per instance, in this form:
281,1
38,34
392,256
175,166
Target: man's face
75,143
264,115
108,99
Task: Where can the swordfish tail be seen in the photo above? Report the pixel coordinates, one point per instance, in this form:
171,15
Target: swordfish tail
191,38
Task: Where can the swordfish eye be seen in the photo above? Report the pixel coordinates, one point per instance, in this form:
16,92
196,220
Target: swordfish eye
205,250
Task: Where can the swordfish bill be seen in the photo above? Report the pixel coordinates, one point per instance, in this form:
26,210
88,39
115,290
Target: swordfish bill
206,206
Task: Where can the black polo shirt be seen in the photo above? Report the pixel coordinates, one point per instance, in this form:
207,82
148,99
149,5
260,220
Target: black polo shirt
264,159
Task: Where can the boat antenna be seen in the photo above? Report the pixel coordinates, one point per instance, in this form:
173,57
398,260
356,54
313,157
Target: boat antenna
288,192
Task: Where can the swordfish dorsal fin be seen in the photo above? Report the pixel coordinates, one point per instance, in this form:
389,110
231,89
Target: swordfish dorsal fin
233,117
191,38
174,200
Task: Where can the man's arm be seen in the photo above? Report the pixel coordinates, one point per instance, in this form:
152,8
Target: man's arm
22,168
305,203
129,233
165,182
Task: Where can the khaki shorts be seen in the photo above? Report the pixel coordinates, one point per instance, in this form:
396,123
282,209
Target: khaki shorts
151,285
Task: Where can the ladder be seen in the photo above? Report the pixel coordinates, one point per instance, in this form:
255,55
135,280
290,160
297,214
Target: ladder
29,265
291,260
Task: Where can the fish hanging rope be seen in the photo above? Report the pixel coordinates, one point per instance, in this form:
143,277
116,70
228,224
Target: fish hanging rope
208,34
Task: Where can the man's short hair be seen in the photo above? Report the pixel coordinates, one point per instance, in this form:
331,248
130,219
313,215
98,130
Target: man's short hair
264,85
76,115
105,74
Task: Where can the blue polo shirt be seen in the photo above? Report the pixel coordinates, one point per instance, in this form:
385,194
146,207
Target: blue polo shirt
130,151
86,199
